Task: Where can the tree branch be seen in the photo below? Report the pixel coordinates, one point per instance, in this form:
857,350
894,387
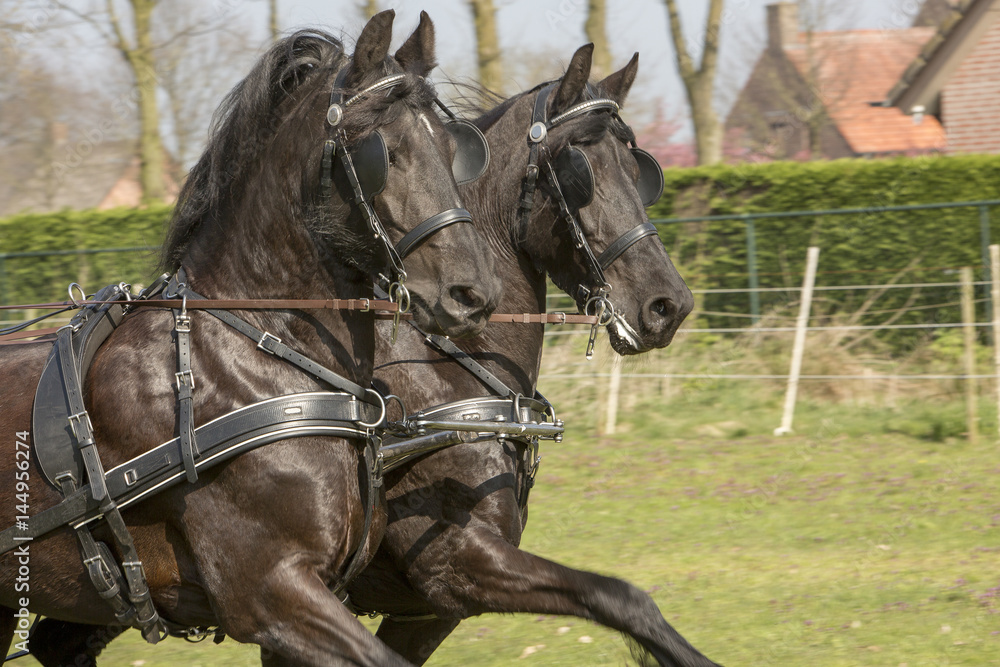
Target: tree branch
684,63
710,54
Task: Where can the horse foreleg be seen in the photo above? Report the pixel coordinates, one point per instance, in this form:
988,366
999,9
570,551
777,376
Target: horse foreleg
415,640
487,574
57,643
296,620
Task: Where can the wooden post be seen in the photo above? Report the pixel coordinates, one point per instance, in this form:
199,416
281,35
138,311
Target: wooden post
995,296
614,385
969,337
799,346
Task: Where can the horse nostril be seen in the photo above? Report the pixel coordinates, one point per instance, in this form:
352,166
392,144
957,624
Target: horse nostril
663,308
468,296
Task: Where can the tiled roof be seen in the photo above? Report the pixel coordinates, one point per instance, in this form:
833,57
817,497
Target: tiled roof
854,68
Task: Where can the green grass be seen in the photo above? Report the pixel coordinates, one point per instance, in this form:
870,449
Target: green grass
869,537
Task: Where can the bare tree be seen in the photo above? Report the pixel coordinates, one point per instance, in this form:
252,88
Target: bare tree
596,31
490,66
369,9
193,91
699,83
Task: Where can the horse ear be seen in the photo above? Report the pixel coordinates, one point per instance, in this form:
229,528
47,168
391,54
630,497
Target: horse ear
417,52
372,47
618,84
575,78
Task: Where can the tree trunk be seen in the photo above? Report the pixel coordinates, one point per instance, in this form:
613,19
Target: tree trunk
484,16
370,9
596,30
141,60
699,83
272,6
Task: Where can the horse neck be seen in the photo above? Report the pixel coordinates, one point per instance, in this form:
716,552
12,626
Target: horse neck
494,205
272,255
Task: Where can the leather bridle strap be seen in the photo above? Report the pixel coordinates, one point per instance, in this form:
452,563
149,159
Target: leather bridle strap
270,343
430,226
624,242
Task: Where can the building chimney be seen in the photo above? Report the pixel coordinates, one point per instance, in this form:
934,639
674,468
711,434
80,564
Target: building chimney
782,25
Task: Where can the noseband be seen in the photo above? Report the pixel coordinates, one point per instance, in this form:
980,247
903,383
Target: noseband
570,178
366,168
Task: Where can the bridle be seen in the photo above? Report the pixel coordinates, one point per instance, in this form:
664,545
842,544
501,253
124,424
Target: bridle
366,168
570,180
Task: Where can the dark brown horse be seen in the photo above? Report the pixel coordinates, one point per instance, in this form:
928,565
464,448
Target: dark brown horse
456,516
258,542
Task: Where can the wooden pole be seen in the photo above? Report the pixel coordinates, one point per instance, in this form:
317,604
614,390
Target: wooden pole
799,346
995,297
969,337
614,386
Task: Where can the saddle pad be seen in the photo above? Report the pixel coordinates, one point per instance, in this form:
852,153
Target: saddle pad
55,446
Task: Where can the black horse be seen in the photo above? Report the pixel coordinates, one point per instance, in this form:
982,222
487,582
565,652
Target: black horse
456,516
257,543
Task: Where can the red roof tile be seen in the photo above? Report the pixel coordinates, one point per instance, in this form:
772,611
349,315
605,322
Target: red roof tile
854,68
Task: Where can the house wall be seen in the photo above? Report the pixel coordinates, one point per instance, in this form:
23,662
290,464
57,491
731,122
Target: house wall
970,102
771,113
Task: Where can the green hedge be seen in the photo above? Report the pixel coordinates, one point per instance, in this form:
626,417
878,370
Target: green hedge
34,279
869,247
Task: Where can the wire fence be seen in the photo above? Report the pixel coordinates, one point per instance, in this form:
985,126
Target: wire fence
892,315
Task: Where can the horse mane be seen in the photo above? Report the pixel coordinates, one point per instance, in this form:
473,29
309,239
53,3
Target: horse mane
250,115
241,128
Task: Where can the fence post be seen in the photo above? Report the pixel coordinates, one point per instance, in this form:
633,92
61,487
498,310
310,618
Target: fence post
995,296
984,245
752,270
614,387
969,339
798,347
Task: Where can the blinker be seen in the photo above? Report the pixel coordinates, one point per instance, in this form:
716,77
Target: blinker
576,177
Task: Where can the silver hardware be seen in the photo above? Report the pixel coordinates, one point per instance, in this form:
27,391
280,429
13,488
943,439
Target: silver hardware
264,337
131,477
334,114
368,306
77,419
83,295
537,132
179,376
381,419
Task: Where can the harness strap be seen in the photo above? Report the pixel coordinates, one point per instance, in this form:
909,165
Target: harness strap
185,393
443,344
373,478
624,242
256,425
79,419
430,226
271,344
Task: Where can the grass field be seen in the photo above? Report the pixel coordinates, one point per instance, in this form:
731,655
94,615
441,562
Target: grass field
869,537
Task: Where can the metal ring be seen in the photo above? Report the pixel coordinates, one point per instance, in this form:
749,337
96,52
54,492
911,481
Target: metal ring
604,310
399,295
72,298
381,419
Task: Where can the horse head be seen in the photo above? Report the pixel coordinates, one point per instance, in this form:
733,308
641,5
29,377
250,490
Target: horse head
598,183
337,170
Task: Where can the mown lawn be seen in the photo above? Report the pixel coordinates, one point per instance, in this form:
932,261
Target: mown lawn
863,539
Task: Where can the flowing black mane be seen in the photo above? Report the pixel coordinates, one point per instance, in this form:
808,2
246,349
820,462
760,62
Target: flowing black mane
250,115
